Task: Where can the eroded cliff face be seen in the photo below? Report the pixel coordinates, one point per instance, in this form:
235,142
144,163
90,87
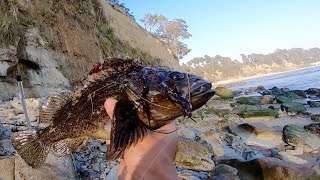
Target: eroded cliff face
55,43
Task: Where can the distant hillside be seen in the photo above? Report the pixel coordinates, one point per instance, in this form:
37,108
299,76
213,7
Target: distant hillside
222,68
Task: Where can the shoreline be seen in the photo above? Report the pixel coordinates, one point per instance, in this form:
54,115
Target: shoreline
231,82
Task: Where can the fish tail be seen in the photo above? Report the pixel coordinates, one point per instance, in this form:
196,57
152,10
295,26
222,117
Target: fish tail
30,148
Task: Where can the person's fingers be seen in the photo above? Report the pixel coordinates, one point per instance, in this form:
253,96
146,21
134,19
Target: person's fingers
109,105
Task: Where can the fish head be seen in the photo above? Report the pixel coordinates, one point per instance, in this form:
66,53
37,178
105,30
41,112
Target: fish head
161,95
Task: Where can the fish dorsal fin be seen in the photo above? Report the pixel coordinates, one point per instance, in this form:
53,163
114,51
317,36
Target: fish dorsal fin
67,146
110,67
54,103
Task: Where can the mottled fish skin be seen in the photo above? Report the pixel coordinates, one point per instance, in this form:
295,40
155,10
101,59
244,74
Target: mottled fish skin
82,115
148,98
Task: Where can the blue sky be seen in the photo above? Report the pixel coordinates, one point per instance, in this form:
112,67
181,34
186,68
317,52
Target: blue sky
234,27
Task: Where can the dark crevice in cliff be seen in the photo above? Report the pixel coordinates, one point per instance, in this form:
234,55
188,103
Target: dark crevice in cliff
29,64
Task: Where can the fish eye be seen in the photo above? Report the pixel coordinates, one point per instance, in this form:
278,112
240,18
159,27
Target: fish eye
177,76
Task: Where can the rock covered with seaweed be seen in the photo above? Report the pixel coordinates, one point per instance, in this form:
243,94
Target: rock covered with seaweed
227,145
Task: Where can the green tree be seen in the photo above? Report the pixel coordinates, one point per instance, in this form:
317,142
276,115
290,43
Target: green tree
153,22
171,32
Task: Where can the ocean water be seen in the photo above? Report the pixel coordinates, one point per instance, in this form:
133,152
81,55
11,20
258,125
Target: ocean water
300,79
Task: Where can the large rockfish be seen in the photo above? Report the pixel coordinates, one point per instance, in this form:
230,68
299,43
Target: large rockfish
148,98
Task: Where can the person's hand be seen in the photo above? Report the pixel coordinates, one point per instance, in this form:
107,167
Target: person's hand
152,157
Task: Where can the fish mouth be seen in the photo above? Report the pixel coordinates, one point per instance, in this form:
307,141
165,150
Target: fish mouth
200,93
199,87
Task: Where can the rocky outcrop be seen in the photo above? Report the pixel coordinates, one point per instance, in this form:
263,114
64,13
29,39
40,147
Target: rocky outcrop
128,30
216,144
271,168
54,45
298,136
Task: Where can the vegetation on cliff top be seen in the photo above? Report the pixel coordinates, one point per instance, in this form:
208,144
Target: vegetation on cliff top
222,68
171,32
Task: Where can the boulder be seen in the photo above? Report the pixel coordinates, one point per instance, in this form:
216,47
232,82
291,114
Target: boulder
268,168
224,113
251,100
314,104
313,128
186,132
192,155
266,92
224,92
296,151
260,88
267,99
313,91
203,113
257,136
188,174
315,117
53,168
285,89
293,107
297,136
283,99
300,93
7,169
260,113
245,107
212,139
218,147
220,104
224,172
285,156
292,95
4,66
276,91
234,148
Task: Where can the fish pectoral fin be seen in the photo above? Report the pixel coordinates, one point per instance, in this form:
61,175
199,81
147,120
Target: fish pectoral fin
54,103
69,145
30,148
127,128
